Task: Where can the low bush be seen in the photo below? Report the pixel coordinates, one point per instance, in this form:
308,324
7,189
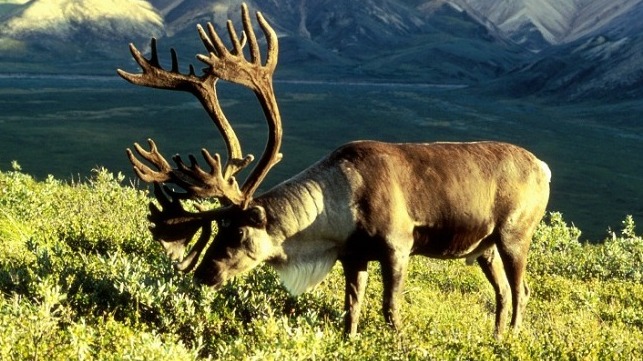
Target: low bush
80,278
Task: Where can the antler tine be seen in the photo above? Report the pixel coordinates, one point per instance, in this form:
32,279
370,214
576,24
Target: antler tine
272,43
236,43
175,62
153,156
212,41
154,60
255,55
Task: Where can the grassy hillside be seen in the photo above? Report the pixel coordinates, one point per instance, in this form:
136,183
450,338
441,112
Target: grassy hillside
81,279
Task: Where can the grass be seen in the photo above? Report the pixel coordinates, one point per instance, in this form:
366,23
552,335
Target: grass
80,278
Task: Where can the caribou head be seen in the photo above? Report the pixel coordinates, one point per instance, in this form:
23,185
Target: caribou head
241,222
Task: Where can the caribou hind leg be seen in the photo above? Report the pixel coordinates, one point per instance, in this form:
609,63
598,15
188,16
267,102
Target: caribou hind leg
514,259
493,269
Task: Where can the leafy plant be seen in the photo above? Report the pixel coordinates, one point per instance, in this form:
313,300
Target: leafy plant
80,278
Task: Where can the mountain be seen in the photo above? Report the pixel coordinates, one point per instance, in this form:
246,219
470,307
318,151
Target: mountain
574,48
606,63
49,30
538,23
345,39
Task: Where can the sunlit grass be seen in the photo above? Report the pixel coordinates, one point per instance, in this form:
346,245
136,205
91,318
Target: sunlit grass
81,279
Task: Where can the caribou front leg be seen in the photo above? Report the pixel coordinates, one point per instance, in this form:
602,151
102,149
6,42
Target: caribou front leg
394,267
356,275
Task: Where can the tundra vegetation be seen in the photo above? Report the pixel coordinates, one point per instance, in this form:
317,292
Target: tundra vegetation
81,279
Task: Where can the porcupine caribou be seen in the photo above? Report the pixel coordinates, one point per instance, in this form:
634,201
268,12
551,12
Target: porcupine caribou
365,201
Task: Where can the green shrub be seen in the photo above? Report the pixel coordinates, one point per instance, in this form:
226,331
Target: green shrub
80,278
556,250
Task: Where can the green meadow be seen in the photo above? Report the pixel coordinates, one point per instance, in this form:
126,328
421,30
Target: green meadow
81,279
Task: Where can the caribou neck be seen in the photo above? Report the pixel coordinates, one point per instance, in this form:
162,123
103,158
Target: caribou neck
312,209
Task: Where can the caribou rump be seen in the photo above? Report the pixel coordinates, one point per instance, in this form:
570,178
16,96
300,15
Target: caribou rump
366,201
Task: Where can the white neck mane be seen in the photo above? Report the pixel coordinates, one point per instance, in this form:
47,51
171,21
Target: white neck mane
302,275
313,218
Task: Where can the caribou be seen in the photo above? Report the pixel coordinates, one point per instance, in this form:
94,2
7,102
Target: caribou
366,201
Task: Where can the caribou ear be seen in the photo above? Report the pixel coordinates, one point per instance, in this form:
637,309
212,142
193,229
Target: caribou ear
256,216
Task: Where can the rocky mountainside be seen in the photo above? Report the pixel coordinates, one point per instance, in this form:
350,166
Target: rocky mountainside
539,23
578,48
605,63
71,29
375,39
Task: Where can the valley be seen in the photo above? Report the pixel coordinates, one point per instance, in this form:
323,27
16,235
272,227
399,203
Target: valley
68,125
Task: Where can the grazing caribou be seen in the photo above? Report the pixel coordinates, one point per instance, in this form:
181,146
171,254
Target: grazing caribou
365,201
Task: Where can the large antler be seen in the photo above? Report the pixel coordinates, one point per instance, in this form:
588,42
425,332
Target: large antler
232,66
196,182
229,65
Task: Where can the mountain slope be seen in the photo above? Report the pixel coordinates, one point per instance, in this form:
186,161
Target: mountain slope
54,28
607,63
387,39
577,48
554,21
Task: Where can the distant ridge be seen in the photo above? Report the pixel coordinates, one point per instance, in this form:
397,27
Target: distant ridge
569,49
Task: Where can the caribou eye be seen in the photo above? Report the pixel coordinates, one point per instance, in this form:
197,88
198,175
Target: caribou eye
242,232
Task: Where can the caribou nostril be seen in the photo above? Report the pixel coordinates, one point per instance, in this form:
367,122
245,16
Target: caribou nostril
210,273
205,279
